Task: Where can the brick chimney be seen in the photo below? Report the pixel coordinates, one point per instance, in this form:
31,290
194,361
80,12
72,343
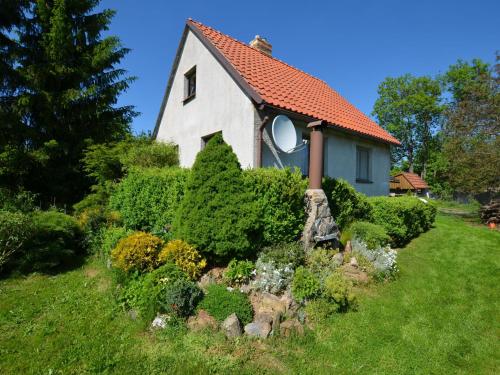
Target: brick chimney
262,45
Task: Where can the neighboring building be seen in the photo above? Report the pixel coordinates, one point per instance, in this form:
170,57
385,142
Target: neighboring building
218,84
404,182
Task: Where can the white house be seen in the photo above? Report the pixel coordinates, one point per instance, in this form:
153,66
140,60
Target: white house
218,84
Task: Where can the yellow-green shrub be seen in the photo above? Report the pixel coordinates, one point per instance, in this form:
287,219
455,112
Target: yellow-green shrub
137,252
184,256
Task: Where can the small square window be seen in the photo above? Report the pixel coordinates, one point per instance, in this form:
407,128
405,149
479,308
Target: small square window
362,164
190,84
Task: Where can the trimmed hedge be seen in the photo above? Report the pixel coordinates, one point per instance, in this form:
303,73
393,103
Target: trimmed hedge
280,196
404,218
148,199
346,204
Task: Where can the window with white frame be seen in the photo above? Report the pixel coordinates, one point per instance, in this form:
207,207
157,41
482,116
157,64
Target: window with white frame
363,155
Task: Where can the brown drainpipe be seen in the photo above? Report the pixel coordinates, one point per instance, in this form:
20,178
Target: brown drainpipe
316,154
258,161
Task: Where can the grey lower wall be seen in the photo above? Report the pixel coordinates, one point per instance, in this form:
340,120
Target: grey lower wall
340,158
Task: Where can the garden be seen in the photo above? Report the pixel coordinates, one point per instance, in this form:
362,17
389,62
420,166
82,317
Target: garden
215,247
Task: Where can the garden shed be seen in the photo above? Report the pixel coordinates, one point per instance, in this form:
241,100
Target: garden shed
405,181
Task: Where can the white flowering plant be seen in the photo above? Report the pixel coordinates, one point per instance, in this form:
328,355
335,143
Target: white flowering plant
383,258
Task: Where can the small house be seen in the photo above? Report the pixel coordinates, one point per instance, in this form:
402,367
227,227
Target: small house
218,84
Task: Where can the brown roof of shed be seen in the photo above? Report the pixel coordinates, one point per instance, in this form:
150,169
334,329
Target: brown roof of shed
413,179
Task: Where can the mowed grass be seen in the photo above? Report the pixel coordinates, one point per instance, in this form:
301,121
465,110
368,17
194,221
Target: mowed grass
441,316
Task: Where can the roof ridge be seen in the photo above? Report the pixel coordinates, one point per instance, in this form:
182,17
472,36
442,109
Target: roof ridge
254,49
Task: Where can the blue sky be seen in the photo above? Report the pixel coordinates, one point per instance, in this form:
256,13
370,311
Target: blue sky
352,45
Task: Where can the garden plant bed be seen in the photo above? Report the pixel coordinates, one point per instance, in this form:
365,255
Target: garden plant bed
437,317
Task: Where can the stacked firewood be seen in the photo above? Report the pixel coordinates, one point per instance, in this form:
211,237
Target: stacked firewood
490,213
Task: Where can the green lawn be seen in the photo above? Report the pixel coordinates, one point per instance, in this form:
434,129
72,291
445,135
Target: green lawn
440,317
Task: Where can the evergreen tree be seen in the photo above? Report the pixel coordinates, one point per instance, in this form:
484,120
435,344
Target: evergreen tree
65,98
218,214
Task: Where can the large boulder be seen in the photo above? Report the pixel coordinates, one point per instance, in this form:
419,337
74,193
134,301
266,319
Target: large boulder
201,321
232,326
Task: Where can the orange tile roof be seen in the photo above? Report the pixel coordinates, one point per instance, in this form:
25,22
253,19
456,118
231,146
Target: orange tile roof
415,180
289,88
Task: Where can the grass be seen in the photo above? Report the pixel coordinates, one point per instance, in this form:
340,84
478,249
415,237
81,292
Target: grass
441,316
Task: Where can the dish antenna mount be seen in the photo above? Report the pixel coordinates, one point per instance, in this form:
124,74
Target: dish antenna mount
285,136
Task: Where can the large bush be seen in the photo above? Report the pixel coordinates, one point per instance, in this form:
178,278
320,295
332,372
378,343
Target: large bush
280,195
56,240
15,230
346,204
147,199
218,213
404,218
138,252
220,303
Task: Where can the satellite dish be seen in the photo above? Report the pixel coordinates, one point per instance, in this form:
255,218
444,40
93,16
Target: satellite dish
284,134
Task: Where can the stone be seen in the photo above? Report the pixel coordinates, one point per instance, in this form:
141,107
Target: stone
214,276
201,321
232,326
354,262
274,303
290,327
160,322
132,314
338,258
347,249
246,288
355,274
320,227
258,329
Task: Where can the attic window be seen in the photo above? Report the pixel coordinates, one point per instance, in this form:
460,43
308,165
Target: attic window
190,84
362,165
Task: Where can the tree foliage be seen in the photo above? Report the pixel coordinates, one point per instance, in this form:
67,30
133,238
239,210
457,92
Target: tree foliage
409,108
218,213
60,95
472,145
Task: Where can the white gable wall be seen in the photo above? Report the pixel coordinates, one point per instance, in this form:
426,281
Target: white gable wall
219,105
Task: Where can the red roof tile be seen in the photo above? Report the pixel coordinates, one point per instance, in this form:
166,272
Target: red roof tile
415,180
286,87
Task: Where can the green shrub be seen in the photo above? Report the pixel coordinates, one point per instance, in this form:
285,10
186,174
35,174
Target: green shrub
372,235
56,240
322,262
283,254
239,272
404,218
338,291
280,196
346,204
22,200
109,238
305,284
15,231
179,297
137,253
143,293
320,309
218,215
147,199
220,303
186,257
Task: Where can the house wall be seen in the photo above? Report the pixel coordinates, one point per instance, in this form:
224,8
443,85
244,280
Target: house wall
340,158
219,105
